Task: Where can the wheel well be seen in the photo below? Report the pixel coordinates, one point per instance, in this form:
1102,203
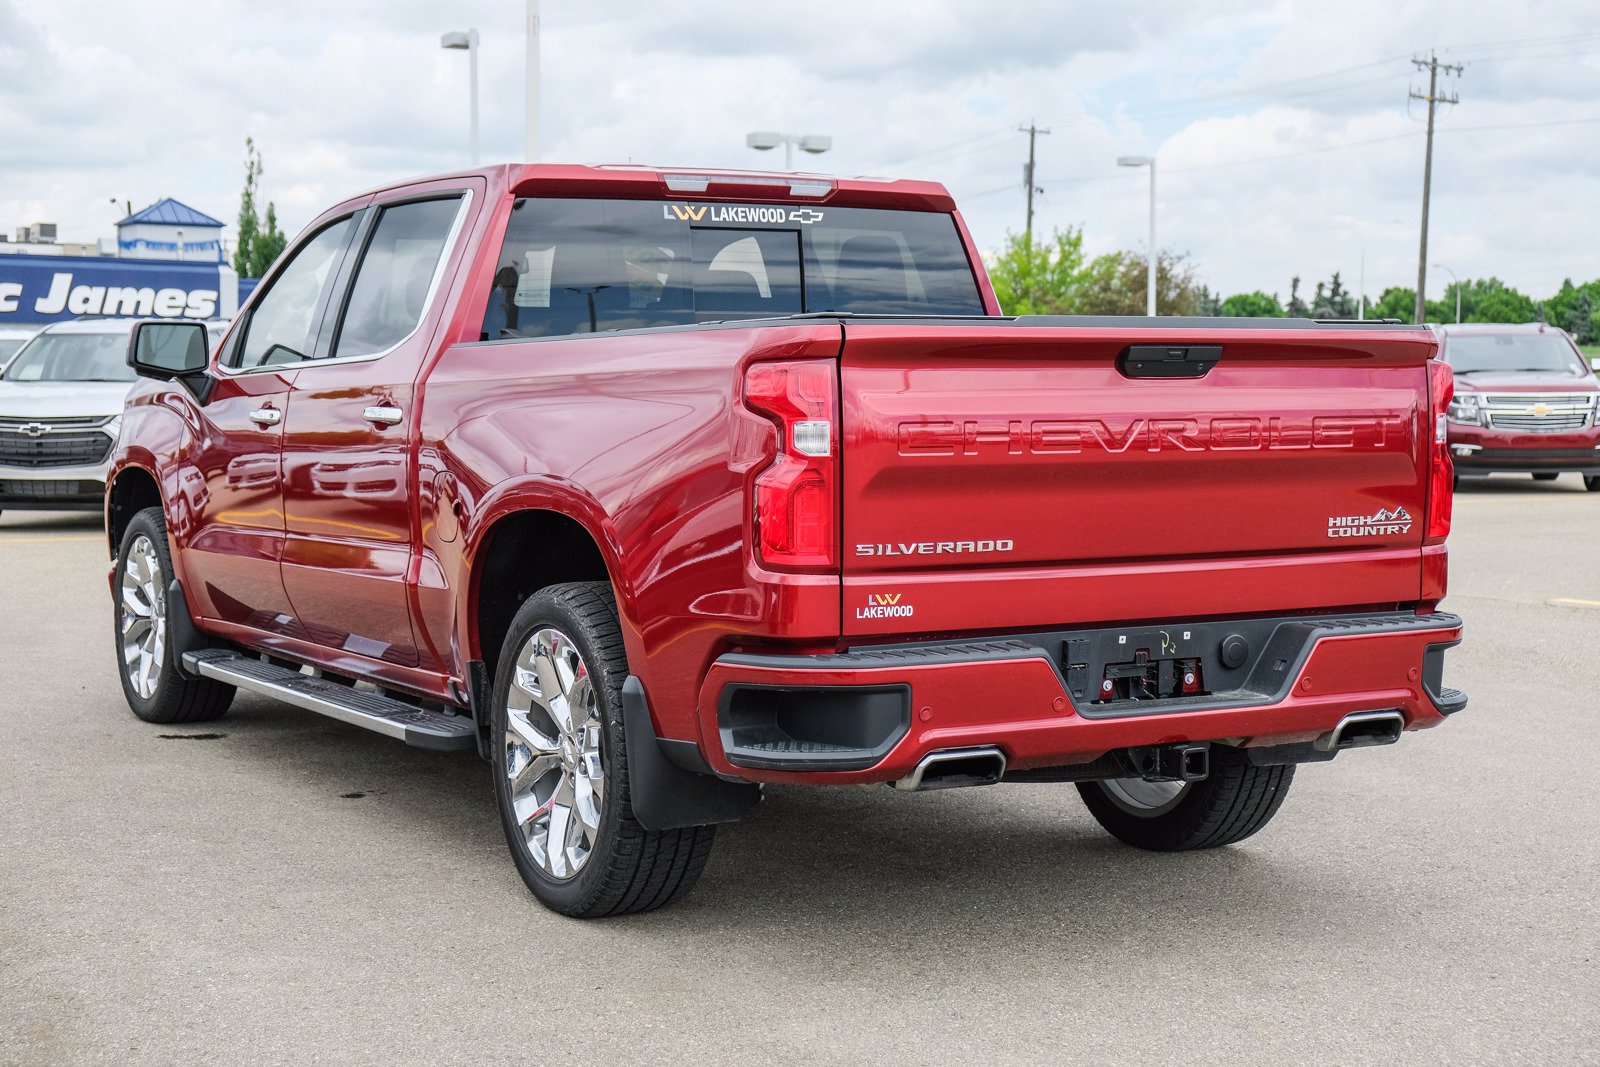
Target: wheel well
132,492
522,554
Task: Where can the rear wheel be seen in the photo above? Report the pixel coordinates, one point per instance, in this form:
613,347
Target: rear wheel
1546,476
151,682
1232,803
561,764
1591,482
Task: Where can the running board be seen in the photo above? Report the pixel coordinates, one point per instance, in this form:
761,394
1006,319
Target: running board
392,718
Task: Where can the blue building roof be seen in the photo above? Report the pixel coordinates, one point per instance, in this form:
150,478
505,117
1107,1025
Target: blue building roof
169,212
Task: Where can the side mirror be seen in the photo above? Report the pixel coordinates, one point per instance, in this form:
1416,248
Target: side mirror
165,350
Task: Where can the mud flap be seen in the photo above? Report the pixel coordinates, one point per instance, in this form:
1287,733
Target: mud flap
182,633
665,795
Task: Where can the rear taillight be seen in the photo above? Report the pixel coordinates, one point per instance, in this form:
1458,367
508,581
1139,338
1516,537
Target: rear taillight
796,495
1441,472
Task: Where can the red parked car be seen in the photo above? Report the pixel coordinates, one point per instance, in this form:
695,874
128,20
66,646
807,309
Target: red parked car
1525,403
656,486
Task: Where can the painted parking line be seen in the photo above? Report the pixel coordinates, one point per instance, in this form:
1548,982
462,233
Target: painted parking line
4,540
1575,602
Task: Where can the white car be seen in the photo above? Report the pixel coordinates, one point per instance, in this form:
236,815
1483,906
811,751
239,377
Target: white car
11,339
61,400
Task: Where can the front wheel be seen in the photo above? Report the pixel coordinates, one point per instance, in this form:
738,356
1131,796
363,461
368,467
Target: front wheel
154,687
1229,805
561,764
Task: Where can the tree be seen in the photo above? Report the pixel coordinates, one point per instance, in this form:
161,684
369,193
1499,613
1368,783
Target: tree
257,246
1297,309
1116,284
1332,301
1500,303
1041,278
1209,304
1573,308
1579,319
1397,302
1254,305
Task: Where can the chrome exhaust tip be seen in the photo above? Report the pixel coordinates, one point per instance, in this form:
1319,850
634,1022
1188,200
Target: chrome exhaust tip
1363,729
954,768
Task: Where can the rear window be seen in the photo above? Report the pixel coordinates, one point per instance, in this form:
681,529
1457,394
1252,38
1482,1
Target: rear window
1468,352
583,266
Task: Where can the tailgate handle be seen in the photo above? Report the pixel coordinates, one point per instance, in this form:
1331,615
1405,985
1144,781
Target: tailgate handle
1168,361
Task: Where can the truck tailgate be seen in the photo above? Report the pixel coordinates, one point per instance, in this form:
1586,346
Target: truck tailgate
1013,474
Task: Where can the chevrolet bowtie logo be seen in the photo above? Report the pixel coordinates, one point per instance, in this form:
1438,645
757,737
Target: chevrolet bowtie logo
806,215
33,429
1540,409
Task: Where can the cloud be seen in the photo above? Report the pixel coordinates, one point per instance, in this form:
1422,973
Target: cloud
1285,141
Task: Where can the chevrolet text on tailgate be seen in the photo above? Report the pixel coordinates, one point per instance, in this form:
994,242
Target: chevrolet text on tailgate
652,487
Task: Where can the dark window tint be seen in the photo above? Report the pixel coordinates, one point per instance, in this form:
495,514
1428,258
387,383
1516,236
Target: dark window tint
742,273
578,266
395,275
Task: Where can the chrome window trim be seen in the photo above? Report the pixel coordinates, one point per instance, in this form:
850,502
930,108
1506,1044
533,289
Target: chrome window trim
427,302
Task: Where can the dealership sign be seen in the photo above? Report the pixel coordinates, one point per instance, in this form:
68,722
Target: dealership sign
53,288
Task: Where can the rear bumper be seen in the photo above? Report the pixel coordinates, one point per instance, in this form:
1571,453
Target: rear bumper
892,707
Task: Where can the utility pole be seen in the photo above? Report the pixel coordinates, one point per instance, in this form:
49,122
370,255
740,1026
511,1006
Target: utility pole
1433,67
1033,131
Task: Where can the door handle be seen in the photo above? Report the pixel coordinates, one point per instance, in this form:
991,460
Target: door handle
383,414
266,416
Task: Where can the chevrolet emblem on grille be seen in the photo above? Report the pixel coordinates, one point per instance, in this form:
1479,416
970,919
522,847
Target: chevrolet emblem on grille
33,429
1540,409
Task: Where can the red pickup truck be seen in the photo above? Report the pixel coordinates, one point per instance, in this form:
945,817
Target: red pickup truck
654,486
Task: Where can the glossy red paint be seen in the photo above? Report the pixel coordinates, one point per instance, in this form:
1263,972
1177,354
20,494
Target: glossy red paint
357,547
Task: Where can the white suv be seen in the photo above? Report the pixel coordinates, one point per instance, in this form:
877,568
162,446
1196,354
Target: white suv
61,400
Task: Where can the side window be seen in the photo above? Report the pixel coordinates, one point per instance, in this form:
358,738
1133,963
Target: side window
283,323
395,276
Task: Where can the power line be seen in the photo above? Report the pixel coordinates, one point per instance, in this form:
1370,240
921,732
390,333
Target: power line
930,152
1434,99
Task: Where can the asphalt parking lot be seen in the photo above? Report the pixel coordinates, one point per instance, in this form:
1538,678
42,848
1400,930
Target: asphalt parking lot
279,887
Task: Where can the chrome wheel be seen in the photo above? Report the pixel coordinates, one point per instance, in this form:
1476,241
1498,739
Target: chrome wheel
1144,799
554,763
142,617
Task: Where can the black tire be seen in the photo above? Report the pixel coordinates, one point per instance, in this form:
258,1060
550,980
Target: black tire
1546,476
1232,803
1591,482
627,868
173,698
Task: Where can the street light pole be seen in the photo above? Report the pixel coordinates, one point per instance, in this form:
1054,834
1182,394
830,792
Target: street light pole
532,120
765,140
1457,282
469,42
1150,271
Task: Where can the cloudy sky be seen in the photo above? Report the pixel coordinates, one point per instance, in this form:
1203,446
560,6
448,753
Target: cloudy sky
1285,139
